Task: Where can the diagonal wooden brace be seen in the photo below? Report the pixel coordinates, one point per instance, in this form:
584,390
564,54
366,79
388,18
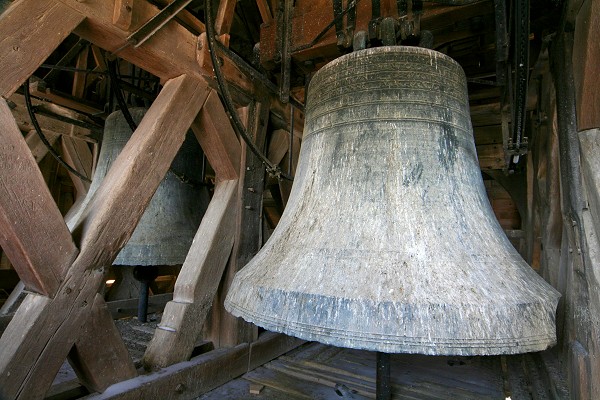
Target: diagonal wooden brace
29,32
201,272
44,330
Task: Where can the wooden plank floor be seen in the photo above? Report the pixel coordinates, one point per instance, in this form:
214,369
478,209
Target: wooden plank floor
317,371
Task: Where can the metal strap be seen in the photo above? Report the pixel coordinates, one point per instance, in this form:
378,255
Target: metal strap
146,31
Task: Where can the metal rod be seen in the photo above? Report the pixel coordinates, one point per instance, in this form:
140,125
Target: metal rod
142,313
383,389
521,70
291,153
286,57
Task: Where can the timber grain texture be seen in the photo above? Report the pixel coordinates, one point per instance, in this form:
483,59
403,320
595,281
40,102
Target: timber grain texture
43,330
32,231
25,44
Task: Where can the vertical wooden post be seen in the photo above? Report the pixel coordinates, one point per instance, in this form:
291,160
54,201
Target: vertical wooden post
228,330
203,268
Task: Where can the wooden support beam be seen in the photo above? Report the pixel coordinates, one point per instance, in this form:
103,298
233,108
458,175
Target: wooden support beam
33,233
35,144
265,10
29,32
201,272
231,72
99,349
158,55
224,17
217,138
228,330
586,65
38,89
278,146
79,156
50,125
197,282
203,373
491,156
43,330
80,77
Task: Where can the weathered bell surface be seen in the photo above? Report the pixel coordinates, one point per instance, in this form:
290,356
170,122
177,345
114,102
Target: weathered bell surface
165,232
388,241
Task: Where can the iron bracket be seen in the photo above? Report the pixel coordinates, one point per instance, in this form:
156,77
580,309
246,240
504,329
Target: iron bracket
154,24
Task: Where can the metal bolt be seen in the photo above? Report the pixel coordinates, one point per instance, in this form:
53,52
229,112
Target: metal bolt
180,388
251,190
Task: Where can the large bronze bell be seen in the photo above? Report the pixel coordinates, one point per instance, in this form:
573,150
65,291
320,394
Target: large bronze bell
388,241
165,232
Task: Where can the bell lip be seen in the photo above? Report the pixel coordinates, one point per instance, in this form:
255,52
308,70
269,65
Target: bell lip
406,344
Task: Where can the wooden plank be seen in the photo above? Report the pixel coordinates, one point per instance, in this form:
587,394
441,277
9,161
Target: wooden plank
99,349
123,14
269,346
38,89
278,145
491,156
197,282
586,65
37,147
217,138
33,233
48,124
224,17
42,332
265,10
25,45
157,55
231,330
79,77
128,307
79,156
185,380
203,373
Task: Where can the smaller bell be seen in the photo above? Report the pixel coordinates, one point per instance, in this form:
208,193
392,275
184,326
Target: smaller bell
165,231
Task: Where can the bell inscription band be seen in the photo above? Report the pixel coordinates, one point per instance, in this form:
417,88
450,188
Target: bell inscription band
388,242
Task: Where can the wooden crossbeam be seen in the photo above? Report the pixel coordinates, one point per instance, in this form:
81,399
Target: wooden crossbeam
29,32
48,124
201,374
158,55
34,236
44,330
